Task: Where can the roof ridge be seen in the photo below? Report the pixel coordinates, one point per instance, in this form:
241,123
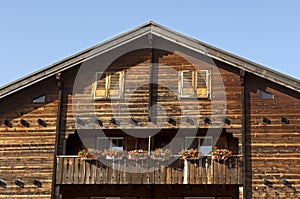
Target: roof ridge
159,30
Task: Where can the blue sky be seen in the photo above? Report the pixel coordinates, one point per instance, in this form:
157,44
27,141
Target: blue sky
37,33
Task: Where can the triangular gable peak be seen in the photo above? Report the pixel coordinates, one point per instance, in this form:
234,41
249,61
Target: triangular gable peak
148,30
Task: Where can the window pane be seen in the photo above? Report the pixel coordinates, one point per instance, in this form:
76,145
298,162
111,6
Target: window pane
103,143
202,143
117,143
265,95
206,141
101,86
40,99
206,145
191,143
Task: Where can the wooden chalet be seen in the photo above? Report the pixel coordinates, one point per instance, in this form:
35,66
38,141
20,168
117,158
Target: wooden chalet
146,89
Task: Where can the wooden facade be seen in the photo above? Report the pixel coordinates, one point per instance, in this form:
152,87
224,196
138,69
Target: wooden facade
48,116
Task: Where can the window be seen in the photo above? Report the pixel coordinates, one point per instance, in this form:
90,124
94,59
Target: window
39,99
265,95
109,85
199,142
115,143
194,83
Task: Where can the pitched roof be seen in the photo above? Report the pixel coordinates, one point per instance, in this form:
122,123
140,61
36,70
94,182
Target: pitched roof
160,31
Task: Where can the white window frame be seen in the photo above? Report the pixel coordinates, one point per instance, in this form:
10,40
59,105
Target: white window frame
110,142
194,84
205,149
107,85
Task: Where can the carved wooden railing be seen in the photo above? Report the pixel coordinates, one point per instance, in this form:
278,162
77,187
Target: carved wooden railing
73,170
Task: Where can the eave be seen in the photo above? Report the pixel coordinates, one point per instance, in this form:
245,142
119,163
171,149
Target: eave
160,31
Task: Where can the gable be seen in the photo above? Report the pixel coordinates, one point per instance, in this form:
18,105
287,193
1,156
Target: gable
143,35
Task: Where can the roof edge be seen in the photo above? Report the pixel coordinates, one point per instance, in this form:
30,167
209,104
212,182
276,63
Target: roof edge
237,61
152,27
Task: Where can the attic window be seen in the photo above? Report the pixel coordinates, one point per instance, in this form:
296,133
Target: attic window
109,85
194,83
40,99
265,95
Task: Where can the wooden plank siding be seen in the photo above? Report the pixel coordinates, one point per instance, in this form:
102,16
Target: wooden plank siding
273,147
272,150
73,170
136,95
27,153
268,152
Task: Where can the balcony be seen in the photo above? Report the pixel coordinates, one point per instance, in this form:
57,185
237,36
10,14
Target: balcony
74,170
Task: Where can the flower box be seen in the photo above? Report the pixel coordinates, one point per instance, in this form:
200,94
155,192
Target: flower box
160,154
137,154
110,154
220,154
191,154
86,154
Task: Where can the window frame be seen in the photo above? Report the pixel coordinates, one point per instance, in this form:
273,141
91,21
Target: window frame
108,84
265,95
110,142
194,84
41,99
199,138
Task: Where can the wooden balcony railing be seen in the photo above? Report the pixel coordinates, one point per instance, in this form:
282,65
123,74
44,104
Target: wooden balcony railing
73,170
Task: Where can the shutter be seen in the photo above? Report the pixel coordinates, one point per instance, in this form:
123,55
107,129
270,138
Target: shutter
187,89
202,83
100,90
115,85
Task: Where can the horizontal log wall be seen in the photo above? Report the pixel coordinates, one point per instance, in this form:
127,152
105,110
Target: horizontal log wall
136,97
73,170
274,146
27,152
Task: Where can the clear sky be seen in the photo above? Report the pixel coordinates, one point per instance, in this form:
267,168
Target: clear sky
37,33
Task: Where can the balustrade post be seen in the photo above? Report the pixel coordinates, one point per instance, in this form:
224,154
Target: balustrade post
185,172
206,165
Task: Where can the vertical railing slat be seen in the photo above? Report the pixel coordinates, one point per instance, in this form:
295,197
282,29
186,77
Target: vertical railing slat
73,170
59,170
